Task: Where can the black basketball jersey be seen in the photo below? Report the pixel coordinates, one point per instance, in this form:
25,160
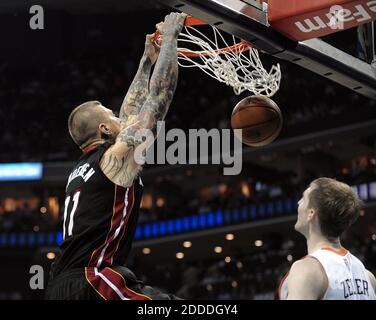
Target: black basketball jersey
100,217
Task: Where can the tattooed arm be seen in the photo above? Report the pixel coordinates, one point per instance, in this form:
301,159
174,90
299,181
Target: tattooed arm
118,162
139,88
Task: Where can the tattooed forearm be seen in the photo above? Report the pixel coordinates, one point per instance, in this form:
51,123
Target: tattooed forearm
131,136
164,80
119,163
162,88
138,90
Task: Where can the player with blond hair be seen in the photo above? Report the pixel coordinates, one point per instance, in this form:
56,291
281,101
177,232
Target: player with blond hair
329,271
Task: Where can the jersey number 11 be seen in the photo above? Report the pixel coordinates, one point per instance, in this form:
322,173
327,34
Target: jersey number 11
69,216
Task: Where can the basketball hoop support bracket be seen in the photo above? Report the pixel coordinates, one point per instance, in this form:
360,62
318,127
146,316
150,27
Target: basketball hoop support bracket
250,23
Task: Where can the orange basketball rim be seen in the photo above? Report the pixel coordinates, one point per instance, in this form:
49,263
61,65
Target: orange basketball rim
190,21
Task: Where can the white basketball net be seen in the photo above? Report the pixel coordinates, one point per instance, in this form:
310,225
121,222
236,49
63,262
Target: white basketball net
241,70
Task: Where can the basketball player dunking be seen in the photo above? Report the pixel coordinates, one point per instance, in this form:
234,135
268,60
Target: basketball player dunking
329,272
103,192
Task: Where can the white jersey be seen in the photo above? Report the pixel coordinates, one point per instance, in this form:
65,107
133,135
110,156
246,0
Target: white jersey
347,277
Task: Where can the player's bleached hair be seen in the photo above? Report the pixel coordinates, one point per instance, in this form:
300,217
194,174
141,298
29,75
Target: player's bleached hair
83,123
337,205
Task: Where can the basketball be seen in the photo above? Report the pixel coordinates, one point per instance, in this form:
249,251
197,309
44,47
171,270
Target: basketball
260,119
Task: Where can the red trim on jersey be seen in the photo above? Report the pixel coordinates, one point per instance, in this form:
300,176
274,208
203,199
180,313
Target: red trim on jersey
342,252
91,147
111,285
131,293
103,255
97,257
105,281
281,285
120,207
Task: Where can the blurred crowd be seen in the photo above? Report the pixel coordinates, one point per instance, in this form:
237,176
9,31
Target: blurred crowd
166,199
26,219
169,197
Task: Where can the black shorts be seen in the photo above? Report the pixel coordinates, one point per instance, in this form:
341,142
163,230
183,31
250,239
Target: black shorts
112,283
